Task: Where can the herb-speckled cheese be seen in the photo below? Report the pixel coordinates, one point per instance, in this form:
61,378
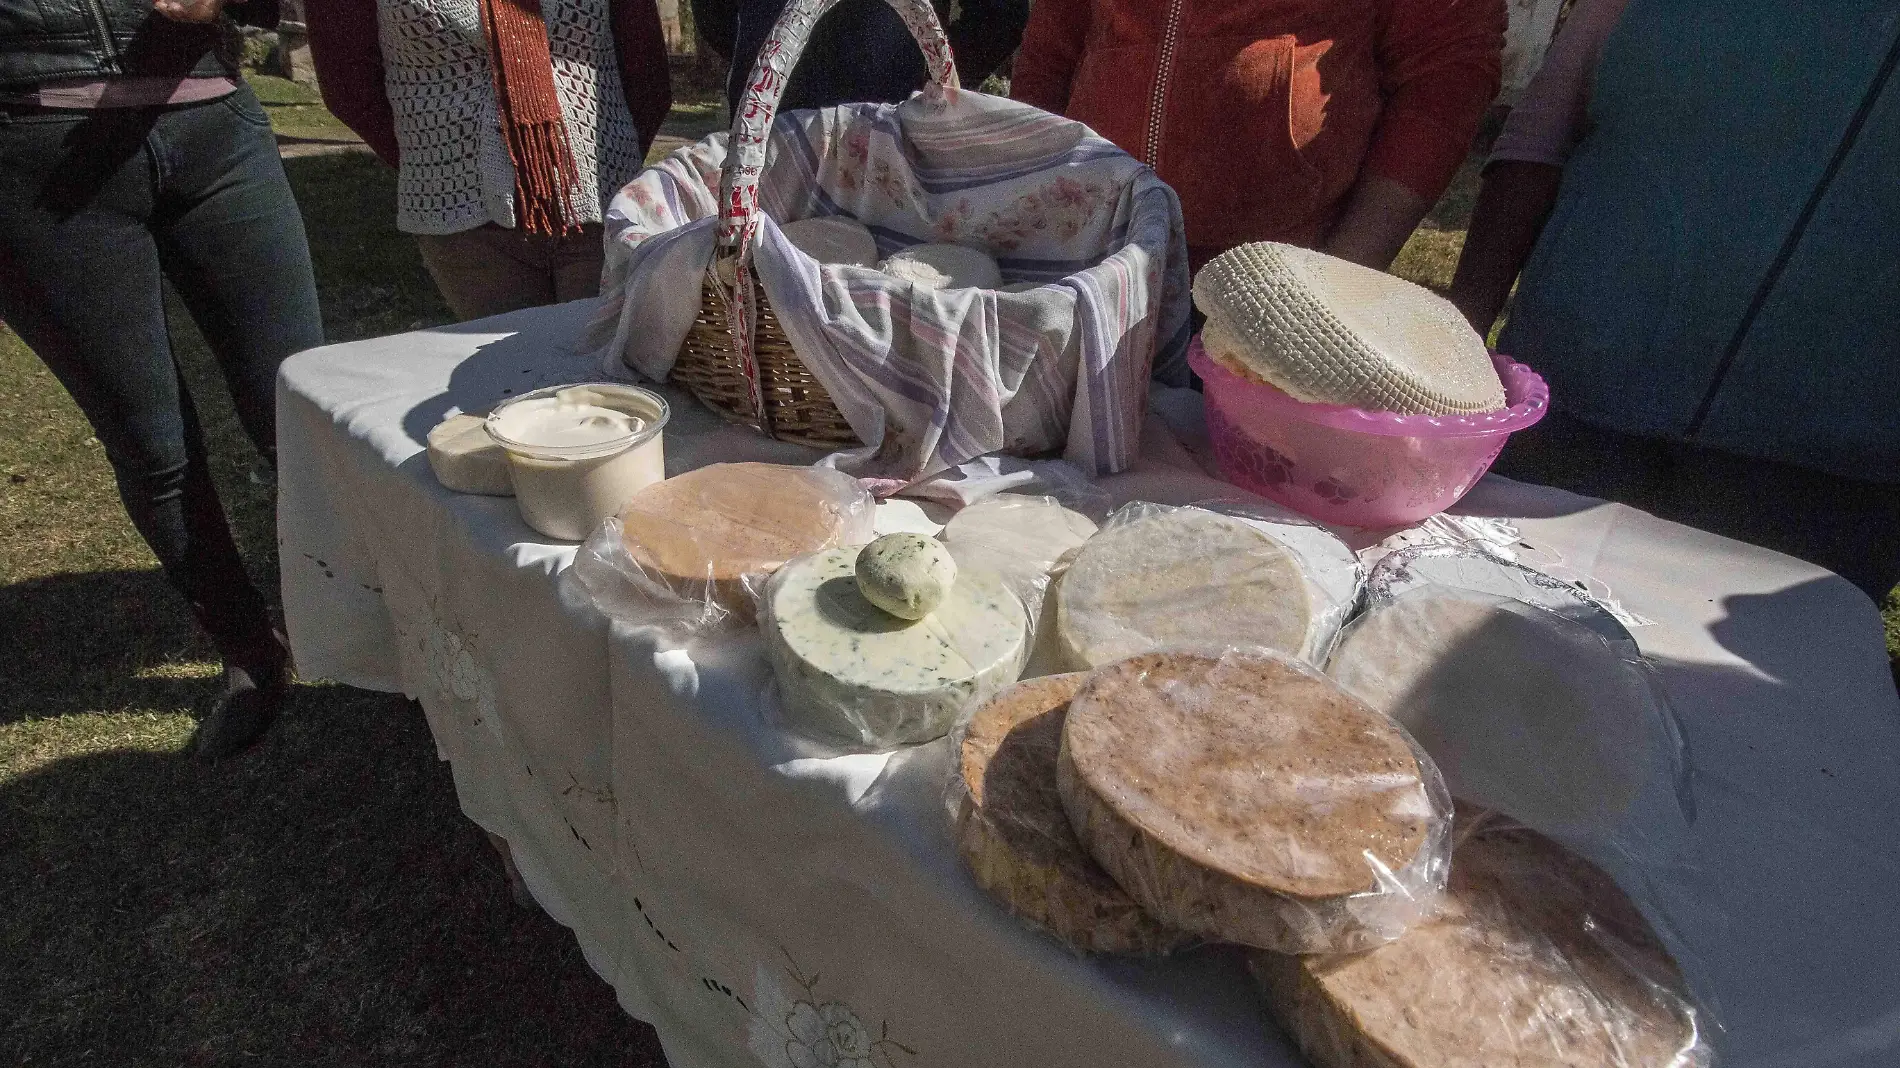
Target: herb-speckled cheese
856,676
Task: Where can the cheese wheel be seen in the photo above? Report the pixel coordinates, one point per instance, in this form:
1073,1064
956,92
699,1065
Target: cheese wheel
855,676
1246,799
1012,832
704,534
1182,576
833,239
941,266
1535,960
906,574
465,459
1523,710
1018,537
1327,330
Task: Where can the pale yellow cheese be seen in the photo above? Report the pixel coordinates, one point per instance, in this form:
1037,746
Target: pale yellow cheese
466,460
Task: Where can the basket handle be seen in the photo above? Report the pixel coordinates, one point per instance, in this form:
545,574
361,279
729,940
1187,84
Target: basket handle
758,106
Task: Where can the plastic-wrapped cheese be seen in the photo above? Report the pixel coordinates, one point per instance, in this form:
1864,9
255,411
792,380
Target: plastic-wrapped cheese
1535,959
466,460
1524,711
1159,577
1248,799
1012,832
941,266
1021,538
857,677
706,534
1327,330
833,239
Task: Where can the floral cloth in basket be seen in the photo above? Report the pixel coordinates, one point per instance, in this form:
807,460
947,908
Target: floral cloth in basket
930,378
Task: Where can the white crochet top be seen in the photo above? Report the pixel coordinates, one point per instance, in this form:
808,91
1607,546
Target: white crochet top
456,174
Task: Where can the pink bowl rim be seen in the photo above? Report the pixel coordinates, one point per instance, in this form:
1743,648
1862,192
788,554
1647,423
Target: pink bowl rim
1526,394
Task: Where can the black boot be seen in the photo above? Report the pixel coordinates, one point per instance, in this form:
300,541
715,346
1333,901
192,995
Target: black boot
255,683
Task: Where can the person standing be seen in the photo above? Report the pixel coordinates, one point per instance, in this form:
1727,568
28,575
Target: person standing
861,51
1333,124
511,124
131,152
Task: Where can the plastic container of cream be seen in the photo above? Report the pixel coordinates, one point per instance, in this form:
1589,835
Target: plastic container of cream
579,453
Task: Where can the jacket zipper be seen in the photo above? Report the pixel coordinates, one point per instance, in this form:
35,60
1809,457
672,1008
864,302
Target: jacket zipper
1170,36
111,50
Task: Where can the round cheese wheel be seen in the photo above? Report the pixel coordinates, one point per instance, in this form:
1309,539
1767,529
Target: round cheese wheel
1328,330
1182,576
1012,832
466,460
1534,959
703,533
940,266
906,574
833,239
1523,710
1249,800
853,675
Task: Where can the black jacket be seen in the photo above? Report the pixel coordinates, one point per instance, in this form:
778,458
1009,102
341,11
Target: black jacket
861,50
44,40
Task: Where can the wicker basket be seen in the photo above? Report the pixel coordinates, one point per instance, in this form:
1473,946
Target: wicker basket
736,358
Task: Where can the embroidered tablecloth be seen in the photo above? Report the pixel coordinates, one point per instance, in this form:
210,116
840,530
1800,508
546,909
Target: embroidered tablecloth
761,902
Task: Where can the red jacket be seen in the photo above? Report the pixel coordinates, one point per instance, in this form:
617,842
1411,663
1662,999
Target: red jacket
348,53
1263,113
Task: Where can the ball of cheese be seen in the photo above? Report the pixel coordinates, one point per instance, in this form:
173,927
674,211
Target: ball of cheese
941,266
907,575
833,239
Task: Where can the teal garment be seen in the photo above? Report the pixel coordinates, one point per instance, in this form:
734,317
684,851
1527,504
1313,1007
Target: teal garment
1723,264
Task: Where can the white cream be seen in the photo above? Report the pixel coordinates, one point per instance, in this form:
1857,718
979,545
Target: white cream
579,453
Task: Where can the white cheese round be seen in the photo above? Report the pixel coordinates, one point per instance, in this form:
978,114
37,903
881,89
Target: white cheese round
833,239
855,676
906,574
940,266
1182,577
465,459
1524,711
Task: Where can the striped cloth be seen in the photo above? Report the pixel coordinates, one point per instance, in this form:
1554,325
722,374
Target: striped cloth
931,378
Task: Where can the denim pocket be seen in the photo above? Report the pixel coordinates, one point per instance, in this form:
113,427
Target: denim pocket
244,104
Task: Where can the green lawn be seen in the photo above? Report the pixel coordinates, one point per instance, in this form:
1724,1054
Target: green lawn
321,901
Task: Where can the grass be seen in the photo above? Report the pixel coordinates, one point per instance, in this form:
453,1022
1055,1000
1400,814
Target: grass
322,901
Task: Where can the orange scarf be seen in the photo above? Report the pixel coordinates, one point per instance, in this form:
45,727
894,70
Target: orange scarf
531,120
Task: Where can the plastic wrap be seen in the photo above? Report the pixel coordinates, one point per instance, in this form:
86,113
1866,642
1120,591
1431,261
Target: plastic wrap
1404,570
1028,542
1534,714
1158,576
1012,832
1244,797
857,678
1535,958
689,553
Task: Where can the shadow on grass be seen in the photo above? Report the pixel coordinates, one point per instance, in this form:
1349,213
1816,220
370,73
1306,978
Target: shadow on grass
319,901
92,642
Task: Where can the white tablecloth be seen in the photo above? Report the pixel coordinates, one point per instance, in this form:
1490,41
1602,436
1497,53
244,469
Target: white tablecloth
759,901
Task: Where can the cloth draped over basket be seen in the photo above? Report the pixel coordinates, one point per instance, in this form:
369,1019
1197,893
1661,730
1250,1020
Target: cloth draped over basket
930,378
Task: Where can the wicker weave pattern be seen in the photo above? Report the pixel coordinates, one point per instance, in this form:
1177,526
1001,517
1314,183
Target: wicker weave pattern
797,408
1262,295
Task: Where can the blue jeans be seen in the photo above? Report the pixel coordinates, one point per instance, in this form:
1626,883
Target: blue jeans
96,209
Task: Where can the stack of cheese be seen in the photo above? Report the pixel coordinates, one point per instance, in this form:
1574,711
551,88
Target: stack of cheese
1325,330
1028,542
888,645
1534,958
1234,797
1158,577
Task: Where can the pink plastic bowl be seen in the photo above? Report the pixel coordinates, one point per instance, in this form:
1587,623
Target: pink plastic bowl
1351,467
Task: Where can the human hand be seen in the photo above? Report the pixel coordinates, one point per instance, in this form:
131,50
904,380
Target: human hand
189,10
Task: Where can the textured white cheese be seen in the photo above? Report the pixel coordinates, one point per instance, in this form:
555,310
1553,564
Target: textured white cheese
906,574
833,239
466,460
1328,330
942,266
1182,577
1524,711
853,675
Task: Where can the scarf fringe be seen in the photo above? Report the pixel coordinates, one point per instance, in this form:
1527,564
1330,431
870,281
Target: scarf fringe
531,120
